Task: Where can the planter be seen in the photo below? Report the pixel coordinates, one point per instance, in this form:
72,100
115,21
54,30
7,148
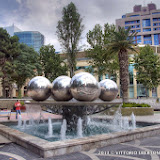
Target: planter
138,111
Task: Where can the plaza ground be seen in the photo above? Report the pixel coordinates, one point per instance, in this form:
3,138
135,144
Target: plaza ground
140,149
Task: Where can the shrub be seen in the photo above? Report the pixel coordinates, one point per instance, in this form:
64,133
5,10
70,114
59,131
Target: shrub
135,105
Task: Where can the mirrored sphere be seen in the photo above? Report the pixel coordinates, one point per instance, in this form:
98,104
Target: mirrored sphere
39,88
61,88
84,87
109,90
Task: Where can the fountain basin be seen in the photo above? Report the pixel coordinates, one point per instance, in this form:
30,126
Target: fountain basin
48,149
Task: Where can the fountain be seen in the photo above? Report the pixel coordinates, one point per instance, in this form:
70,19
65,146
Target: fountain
63,130
85,91
50,129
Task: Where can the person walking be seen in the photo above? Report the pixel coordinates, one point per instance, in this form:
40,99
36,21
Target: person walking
18,108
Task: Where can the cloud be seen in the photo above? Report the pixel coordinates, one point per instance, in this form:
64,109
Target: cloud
43,15
19,1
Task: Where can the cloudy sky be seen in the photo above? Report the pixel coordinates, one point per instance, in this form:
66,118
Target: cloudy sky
43,15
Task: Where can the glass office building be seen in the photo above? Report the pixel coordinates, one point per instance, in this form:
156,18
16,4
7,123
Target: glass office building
32,38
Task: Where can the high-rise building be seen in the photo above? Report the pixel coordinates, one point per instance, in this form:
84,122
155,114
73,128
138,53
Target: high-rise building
145,21
31,38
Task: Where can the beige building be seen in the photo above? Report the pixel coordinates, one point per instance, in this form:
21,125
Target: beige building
135,90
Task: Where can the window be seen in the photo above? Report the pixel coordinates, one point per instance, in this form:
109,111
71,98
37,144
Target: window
156,39
146,29
130,69
137,39
156,29
126,27
156,19
138,30
134,15
147,39
146,22
156,13
132,22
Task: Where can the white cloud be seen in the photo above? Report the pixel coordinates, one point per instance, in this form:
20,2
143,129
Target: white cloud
19,1
43,15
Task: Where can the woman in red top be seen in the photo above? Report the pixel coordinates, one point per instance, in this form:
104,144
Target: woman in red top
18,108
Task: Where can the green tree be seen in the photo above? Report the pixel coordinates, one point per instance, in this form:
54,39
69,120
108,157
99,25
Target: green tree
123,42
26,65
9,50
147,65
52,64
101,58
69,31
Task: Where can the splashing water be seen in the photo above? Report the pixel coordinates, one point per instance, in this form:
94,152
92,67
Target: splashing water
79,128
19,121
63,130
50,128
133,120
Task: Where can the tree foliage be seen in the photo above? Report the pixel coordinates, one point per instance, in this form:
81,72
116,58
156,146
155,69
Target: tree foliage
26,65
52,64
101,58
147,65
69,31
9,50
122,42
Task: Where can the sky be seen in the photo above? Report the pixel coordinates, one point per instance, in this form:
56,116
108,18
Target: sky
43,15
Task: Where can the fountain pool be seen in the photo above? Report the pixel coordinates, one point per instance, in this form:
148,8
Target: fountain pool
55,130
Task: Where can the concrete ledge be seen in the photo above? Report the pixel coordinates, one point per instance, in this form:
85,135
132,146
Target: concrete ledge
48,149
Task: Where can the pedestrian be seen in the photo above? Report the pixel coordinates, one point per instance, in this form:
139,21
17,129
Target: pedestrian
18,108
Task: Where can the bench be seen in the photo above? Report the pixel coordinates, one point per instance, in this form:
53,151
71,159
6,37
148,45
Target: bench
4,112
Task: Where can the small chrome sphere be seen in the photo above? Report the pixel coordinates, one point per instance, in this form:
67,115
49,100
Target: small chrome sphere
84,87
109,90
39,88
61,88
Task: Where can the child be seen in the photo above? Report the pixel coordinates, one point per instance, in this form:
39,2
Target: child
18,108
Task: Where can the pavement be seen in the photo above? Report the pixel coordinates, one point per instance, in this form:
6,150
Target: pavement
140,149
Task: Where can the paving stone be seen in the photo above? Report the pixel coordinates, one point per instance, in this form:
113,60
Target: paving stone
4,140
18,150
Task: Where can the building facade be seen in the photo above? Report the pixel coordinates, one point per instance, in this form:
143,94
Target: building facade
31,38
145,21
135,89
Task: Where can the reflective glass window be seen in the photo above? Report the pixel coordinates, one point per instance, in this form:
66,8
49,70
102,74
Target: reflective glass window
156,39
146,22
146,29
147,39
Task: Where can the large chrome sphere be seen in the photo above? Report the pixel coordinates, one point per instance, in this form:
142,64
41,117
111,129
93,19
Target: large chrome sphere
39,88
61,88
109,90
84,87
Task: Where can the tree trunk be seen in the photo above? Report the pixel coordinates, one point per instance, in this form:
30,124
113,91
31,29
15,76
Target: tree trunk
71,71
19,92
124,74
10,91
3,91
